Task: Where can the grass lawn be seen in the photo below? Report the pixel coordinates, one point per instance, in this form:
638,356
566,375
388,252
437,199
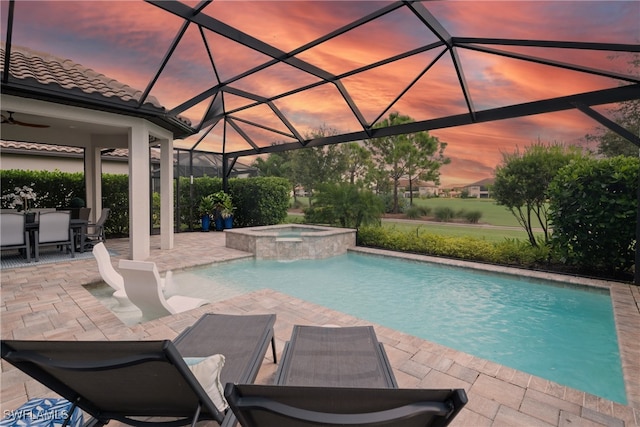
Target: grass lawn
492,214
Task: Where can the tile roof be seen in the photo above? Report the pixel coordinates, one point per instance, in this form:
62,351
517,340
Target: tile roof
47,69
62,149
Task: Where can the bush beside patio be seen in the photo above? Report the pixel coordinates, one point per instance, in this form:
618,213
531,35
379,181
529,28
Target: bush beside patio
509,252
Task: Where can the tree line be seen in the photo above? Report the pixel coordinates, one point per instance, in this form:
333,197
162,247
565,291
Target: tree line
584,200
377,164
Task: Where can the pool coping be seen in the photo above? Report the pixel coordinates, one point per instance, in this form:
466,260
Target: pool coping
626,314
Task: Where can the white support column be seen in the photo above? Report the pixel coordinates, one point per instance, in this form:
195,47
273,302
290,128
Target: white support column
139,188
93,179
166,194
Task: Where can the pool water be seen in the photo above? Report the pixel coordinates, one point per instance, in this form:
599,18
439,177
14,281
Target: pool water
562,333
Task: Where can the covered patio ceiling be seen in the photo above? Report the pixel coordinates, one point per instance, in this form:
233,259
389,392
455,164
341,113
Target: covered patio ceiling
254,77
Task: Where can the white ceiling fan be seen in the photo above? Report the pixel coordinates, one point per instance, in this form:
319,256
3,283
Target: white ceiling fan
11,121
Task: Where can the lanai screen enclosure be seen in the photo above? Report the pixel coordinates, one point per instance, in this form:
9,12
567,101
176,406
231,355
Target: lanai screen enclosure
247,78
254,77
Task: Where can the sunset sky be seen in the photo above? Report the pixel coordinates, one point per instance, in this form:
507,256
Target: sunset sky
126,40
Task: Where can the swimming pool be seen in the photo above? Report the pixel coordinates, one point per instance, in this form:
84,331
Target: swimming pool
563,333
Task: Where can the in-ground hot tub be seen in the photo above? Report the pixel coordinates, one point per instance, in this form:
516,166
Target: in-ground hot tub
291,241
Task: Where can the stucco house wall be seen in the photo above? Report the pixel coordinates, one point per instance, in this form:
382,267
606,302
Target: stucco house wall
44,157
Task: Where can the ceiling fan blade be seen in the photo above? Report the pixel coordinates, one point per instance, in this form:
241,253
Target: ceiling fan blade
33,125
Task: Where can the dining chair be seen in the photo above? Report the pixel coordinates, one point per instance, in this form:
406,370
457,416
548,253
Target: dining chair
84,213
54,229
13,233
98,227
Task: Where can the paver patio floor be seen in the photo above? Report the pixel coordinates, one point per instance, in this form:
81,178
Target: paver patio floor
50,302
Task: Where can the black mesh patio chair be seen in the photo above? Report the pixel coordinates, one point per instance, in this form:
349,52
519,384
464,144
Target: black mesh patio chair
339,376
297,406
149,383
328,356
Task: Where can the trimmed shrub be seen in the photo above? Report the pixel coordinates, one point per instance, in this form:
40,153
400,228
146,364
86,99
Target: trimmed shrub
259,201
424,210
509,252
593,207
473,216
443,213
54,189
190,196
413,212
115,196
344,205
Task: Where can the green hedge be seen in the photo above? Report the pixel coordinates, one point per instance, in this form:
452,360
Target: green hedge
115,196
508,252
593,212
53,189
190,197
56,189
258,201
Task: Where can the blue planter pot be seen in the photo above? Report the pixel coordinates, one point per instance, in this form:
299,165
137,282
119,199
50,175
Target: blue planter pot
228,222
219,222
206,222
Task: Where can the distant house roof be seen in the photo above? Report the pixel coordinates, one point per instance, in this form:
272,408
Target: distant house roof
483,183
416,183
47,77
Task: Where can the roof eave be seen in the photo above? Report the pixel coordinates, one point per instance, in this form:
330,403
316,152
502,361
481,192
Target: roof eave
77,98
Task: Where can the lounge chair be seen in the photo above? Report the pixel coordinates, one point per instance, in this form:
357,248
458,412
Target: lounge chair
110,275
143,287
115,280
328,356
339,376
148,383
296,406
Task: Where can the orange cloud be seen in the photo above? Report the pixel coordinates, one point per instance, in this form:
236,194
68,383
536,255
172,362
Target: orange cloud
127,40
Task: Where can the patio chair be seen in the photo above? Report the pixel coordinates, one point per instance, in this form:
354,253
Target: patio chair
54,229
296,406
84,213
334,356
110,275
97,233
150,383
13,233
339,376
115,280
143,287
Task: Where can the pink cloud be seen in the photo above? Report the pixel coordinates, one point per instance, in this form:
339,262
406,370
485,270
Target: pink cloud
127,40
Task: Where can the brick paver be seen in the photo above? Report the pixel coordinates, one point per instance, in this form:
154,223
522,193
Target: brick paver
50,302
